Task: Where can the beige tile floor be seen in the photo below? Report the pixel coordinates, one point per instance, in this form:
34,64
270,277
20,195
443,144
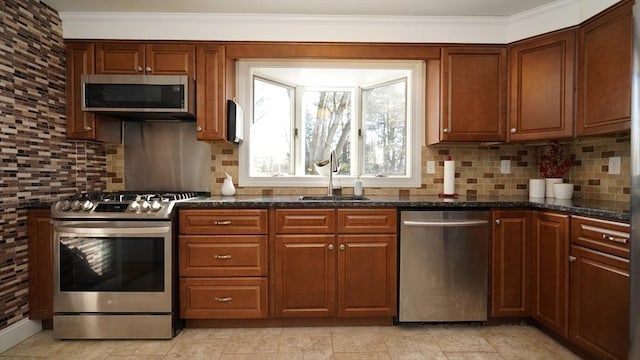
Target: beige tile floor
441,342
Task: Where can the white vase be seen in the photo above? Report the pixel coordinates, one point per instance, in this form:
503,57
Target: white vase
549,186
227,188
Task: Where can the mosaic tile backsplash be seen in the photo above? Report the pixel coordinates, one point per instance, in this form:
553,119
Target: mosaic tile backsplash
37,163
477,169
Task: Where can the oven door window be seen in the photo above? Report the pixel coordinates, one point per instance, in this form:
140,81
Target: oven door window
119,264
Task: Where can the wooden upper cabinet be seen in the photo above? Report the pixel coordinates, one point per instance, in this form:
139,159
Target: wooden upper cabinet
80,60
119,58
604,72
82,125
140,58
510,263
542,87
550,270
210,93
170,59
474,94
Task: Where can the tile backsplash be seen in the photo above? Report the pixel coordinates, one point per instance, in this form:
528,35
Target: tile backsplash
477,169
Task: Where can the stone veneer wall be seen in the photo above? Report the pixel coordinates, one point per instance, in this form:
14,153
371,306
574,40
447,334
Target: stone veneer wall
477,169
37,163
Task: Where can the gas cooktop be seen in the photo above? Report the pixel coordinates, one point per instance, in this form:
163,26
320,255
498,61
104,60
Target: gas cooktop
121,205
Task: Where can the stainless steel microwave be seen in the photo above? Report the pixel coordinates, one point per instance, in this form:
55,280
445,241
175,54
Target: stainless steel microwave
142,97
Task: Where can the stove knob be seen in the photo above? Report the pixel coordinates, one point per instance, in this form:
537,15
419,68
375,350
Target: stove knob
156,205
76,205
87,205
134,206
65,205
145,206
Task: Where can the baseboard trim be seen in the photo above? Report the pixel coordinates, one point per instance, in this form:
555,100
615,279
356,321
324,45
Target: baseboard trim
18,332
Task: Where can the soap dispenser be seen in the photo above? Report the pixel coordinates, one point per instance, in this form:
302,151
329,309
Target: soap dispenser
227,186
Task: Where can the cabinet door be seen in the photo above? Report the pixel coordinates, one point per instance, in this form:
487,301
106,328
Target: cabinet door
550,269
474,94
40,244
119,58
541,87
170,59
599,303
210,95
510,263
305,275
604,72
80,125
367,275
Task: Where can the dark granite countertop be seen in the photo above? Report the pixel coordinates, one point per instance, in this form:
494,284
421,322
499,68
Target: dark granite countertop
613,210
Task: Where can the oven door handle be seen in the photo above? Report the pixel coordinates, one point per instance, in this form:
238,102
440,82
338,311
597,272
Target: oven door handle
115,231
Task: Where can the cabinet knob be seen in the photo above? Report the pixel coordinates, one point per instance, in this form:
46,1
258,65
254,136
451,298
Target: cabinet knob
223,299
147,69
139,68
88,128
445,130
614,239
572,258
513,130
222,257
199,128
330,247
342,247
498,221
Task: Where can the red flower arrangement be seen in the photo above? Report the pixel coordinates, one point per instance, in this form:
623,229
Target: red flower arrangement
552,163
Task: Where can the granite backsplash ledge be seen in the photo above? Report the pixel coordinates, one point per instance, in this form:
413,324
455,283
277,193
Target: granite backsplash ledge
477,170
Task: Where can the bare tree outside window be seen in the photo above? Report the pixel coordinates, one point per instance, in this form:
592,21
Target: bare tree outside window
385,129
327,123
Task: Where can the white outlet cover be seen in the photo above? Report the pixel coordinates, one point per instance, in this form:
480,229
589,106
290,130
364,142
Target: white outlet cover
431,167
614,165
505,166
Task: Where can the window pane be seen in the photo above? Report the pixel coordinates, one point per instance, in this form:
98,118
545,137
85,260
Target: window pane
271,129
327,125
385,119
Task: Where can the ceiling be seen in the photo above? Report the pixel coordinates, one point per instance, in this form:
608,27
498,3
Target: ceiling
311,7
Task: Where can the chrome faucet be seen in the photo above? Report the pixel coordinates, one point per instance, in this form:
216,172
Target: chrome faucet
333,166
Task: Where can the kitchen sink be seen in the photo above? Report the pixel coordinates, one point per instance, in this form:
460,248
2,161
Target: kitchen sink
333,198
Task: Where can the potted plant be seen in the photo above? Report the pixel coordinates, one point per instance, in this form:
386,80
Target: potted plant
553,165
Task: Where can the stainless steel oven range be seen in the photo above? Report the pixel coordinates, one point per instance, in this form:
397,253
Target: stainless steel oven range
115,266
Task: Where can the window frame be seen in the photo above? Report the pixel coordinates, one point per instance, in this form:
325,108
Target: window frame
416,86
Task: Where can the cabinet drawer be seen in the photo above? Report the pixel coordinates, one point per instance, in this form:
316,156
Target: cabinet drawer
305,221
367,221
224,222
223,255
228,298
607,236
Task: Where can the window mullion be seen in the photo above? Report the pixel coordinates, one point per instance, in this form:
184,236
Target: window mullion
299,143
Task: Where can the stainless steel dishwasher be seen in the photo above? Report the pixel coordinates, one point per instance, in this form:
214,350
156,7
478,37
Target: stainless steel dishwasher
444,257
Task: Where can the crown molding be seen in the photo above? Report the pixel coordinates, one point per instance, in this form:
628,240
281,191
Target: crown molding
329,28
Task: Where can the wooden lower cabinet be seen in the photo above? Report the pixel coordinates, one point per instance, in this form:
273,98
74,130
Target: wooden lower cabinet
550,270
599,309
40,246
510,263
335,273
367,268
222,262
305,275
223,298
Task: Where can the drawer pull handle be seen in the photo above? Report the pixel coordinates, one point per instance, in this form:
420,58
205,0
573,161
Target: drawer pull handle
223,222
223,299
614,239
222,257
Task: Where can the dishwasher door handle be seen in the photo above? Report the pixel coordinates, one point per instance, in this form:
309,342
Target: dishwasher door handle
454,223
